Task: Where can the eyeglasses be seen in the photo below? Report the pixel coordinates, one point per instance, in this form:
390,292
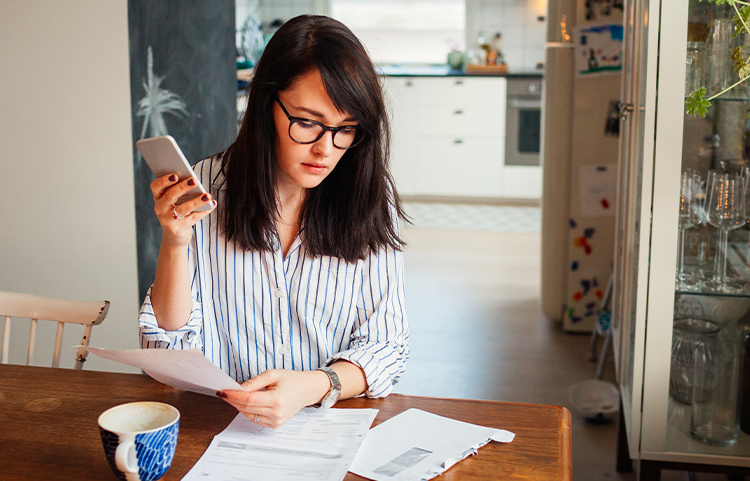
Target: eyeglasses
306,131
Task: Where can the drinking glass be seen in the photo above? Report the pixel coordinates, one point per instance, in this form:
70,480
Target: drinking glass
687,336
714,419
689,217
720,73
725,210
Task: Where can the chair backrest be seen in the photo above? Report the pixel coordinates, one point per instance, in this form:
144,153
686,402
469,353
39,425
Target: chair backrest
86,313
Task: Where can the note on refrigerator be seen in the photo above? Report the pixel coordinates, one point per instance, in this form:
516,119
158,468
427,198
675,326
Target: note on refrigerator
315,444
416,445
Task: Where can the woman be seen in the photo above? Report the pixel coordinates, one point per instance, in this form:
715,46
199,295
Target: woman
294,287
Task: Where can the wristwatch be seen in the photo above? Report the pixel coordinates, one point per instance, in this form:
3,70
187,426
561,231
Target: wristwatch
335,393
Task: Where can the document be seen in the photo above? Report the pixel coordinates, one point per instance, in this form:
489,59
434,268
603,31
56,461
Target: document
316,444
184,369
416,445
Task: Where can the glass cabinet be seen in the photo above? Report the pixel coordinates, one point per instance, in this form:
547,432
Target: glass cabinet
681,251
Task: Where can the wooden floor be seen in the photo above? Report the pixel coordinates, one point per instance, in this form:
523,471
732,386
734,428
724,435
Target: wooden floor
477,332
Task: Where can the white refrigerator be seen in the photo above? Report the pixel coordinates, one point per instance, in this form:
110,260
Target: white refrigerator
580,123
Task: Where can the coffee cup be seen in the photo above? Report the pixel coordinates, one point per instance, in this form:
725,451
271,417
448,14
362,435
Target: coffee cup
139,439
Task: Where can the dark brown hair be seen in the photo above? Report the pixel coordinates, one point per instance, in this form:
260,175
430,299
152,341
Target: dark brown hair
350,212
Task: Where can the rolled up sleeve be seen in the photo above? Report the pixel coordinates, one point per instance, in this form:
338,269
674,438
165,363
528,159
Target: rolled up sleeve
152,336
379,341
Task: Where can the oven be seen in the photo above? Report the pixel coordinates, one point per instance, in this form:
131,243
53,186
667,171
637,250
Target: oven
523,121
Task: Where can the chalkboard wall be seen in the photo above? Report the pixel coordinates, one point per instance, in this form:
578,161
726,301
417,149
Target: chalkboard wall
182,83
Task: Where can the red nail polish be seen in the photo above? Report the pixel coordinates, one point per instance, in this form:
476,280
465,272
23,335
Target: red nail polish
191,182
204,198
214,201
172,178
221,394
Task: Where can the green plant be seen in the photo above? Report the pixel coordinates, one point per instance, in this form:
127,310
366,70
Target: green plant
696,103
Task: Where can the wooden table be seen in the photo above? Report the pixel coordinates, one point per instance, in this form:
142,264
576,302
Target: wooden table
48,426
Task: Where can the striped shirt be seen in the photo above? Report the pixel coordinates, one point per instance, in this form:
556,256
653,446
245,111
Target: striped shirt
258,310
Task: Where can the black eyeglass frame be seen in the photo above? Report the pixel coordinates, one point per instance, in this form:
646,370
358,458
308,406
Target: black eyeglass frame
358,136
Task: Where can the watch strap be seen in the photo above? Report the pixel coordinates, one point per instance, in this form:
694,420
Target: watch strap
334,393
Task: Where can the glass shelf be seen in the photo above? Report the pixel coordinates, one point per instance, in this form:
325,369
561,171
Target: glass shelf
745,294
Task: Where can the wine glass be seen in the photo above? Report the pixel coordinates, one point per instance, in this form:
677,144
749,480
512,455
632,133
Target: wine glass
689,217
725,210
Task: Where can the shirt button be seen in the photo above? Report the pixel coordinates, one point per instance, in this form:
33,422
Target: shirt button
284,350
278,293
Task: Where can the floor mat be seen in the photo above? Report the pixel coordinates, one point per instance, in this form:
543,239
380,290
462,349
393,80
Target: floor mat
489,218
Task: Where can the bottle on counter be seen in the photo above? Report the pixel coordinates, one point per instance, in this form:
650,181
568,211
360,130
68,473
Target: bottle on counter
484,45
497,46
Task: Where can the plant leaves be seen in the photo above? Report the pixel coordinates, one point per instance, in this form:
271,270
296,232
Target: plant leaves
720,2
741,20
741,65
695,104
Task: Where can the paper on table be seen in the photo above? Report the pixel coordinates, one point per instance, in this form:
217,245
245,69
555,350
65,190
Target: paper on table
315,444
184,369
416,445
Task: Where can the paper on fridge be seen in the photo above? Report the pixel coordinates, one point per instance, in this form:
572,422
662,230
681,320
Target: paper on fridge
315,444
416,445
184,369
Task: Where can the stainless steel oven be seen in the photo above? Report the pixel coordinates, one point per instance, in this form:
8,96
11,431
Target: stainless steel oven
523,121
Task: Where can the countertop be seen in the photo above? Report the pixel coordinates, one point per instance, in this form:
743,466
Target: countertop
446,71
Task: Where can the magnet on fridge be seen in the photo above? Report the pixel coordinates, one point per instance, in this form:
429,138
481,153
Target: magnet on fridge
588,233
573,224
574,266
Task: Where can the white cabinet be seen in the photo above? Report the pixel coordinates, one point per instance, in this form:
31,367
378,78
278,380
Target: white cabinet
448,135
401,103
459,166
657,143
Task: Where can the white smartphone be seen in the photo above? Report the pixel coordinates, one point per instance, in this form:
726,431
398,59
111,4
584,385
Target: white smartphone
164,157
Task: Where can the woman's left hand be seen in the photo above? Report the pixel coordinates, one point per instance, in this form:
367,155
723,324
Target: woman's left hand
271,398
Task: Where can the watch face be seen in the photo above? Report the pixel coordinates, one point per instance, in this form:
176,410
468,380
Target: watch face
331,399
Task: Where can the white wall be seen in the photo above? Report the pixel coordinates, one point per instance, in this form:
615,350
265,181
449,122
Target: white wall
517,20
67,219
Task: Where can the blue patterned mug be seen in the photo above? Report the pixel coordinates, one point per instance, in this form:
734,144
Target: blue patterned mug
140,439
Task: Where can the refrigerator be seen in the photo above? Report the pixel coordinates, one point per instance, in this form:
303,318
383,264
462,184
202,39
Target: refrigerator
580,125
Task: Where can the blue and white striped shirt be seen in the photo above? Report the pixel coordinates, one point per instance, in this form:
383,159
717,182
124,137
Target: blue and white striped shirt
255,310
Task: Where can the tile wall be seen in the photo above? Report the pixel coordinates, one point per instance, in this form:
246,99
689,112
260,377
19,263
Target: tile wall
517,20
522,32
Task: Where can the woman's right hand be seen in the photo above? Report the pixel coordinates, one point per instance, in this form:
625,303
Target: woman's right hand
177,221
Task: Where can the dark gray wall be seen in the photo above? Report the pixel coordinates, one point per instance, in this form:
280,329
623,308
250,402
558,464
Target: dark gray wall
193,45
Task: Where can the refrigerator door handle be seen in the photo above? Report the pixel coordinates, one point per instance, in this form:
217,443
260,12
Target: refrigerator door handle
625,109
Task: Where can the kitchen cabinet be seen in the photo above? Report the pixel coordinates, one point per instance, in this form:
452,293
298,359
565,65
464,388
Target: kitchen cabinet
654,151
448,138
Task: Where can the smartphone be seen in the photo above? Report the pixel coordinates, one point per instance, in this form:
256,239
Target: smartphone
164,157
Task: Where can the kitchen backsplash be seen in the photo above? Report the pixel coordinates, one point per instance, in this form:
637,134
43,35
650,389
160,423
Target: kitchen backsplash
518,21
522,31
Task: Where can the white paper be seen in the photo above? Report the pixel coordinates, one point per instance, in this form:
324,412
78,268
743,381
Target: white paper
416,445
315,444
184,369
598,189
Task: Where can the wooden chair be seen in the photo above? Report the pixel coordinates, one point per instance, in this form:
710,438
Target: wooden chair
86,313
